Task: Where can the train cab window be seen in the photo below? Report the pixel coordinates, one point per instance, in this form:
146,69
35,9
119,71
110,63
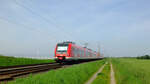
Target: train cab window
62,48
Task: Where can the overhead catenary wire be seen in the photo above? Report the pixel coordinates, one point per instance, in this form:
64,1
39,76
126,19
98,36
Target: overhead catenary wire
29,9
26,27
45,19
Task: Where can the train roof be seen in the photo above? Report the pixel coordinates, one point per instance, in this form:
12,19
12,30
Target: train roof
67,42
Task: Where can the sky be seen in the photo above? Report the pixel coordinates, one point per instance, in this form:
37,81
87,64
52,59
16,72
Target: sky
32,28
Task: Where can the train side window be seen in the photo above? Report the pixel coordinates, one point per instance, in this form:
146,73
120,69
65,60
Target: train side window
87,53
72,50
83,53
75,52
78,52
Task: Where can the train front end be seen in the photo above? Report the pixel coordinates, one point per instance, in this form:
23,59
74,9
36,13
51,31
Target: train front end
62,52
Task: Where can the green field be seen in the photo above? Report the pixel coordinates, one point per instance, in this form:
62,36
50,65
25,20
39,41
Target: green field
12,61
131,71
76,74
104,76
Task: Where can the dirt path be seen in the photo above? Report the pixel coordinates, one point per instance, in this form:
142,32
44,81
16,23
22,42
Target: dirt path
112,75
95,75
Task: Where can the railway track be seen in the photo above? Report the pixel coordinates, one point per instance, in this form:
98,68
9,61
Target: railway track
10,73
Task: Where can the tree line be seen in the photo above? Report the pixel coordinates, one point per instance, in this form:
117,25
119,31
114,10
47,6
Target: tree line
144,57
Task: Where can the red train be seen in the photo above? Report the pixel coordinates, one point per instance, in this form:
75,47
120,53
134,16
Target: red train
69,51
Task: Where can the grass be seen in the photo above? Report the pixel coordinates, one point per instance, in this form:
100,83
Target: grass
104,76
131,71
12,61
76,74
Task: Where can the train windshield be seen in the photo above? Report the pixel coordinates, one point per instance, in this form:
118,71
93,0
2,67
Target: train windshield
62,48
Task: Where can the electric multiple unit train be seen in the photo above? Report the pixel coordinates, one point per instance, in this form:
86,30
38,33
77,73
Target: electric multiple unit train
69,51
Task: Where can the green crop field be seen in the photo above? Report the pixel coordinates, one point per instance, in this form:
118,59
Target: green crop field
76,74
131,71
11,61
104,76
